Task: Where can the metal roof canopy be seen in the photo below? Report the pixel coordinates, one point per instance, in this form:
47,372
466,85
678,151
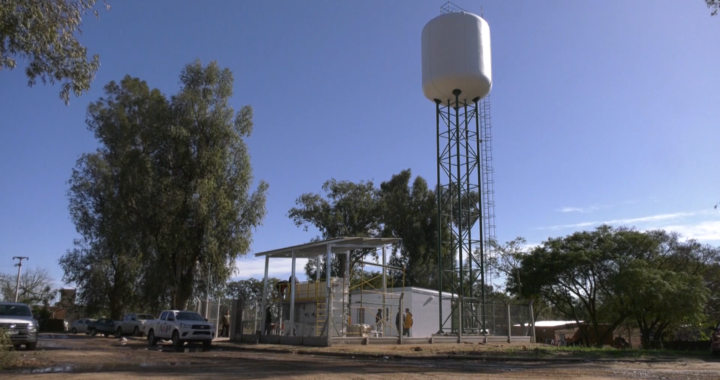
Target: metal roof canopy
338,245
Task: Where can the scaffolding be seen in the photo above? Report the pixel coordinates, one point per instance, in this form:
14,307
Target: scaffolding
387,304
313,309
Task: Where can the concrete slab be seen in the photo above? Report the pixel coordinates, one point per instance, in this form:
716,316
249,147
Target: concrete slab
291,340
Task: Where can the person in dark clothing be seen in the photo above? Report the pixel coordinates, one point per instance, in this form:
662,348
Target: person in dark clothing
268,321
378,320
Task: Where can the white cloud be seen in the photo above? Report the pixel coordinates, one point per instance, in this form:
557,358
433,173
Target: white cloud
644,219
590,208
593,207
572,209
280,268
703,231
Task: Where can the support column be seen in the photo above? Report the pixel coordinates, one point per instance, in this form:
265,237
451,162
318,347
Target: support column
438,194
292,296
509,325
318,267
346,283
402,320
264,296
328,299
460,238
384,296
532,322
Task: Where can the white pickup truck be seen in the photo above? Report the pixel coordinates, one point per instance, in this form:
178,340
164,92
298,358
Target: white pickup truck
180,326
133,324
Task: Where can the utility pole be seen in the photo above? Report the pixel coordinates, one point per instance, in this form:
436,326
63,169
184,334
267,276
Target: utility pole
19,265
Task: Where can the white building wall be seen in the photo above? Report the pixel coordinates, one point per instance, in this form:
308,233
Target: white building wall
423,304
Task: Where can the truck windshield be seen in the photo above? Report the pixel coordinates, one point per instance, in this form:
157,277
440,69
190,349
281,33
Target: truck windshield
15,310
189,316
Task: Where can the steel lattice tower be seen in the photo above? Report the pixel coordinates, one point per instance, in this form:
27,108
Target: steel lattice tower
465,204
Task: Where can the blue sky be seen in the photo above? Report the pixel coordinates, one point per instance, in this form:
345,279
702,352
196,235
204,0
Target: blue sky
602,111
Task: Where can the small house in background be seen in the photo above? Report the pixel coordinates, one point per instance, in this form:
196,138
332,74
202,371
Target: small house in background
545,330
568,333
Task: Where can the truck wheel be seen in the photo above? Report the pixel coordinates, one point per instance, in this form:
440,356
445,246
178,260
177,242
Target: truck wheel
74,330
177,343
93,332
118,332
136,332
152,341
31,346
207,344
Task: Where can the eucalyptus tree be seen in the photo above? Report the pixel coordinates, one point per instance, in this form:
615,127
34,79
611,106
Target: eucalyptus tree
346,209
44,33
169,191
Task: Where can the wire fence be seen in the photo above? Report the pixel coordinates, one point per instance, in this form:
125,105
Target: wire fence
213,311
490,320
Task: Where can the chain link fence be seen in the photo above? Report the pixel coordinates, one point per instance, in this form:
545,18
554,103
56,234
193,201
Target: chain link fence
213,311
492,319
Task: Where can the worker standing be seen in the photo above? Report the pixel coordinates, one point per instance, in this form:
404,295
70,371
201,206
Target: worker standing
225,324
268,321
378,320
407,323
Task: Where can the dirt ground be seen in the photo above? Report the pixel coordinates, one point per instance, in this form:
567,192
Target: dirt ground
83,357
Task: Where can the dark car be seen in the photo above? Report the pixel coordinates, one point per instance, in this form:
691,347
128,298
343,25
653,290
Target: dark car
103,326
16,320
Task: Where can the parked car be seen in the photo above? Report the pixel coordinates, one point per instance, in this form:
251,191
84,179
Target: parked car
80,326
17,321
103,326
133,324
180,326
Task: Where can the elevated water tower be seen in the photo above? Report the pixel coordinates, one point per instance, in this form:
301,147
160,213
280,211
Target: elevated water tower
457,77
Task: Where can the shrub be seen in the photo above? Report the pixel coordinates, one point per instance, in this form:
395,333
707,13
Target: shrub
7,356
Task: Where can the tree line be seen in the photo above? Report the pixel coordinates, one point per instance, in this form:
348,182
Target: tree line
654,281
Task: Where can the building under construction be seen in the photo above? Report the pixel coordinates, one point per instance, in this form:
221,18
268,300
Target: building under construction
370,309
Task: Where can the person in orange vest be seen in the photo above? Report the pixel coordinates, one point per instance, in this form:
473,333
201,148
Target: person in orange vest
408,322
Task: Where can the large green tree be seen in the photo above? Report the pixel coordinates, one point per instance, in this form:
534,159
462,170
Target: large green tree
179,201
410,213
251,290
44,33
347,209
665,288
577,275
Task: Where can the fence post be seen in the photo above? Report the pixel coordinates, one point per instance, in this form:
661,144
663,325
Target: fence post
460,317
532,322
509,325
402,320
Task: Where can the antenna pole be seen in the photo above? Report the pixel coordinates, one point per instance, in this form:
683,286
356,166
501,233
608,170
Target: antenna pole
19,265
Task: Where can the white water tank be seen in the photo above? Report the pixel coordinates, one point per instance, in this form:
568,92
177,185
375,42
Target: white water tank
456,55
